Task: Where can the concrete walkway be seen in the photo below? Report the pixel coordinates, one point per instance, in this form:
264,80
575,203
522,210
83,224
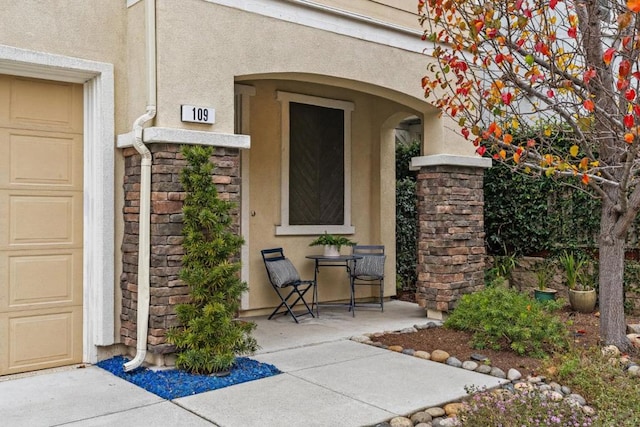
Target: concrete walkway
327,380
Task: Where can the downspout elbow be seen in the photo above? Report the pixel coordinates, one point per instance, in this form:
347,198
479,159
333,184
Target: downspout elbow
138,129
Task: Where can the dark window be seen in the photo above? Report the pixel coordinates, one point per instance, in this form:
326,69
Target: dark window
316,165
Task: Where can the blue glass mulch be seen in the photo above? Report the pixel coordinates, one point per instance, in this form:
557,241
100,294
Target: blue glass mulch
171,384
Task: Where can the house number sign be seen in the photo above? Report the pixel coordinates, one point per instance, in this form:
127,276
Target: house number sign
194,114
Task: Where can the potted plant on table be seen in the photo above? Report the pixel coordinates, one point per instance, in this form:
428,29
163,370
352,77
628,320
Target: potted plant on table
582,293
543,276
331,243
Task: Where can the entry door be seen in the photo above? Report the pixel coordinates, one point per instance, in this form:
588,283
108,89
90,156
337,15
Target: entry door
41,190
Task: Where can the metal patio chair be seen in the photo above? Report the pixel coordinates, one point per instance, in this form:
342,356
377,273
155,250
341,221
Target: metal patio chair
367,271
284,278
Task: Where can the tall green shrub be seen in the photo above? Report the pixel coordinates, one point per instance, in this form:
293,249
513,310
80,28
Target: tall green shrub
210,336
406,216
404,154
406,233
526,216
516,206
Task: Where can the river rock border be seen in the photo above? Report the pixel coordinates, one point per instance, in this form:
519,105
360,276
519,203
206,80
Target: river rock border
445,416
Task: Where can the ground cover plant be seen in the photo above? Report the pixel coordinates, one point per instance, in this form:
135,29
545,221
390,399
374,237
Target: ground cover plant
522,408
501,318
601,380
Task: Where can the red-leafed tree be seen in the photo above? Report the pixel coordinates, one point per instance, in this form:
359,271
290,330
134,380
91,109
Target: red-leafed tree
531,67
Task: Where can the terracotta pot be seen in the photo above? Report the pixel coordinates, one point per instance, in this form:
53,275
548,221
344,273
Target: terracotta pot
583,301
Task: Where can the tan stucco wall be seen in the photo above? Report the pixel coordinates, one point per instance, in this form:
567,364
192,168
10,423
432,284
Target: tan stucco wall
32,24
135,97
373,187
226,44
398,12
92,30
203,48
442,136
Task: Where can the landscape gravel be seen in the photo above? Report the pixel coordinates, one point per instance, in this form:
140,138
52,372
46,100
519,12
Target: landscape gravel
445,416
173,383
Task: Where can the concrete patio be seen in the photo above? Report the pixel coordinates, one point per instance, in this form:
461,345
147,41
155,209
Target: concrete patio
327,380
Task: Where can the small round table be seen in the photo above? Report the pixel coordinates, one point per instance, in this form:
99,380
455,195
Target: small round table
344,261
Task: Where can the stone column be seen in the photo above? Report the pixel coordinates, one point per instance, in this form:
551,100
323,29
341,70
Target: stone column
167,196
451,248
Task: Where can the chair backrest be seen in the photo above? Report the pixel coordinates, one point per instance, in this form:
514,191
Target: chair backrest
372,262
280,270
368,250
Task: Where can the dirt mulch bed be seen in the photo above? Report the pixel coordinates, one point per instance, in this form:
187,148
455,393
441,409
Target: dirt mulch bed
584,328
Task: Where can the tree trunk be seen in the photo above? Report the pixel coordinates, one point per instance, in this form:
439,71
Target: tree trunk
612,322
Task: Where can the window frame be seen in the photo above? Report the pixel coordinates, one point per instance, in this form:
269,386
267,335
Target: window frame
286,229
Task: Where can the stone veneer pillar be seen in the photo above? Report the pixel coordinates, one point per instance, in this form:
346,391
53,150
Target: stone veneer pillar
451,248
167,196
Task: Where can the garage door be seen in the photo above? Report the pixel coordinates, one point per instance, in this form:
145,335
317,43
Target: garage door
40,224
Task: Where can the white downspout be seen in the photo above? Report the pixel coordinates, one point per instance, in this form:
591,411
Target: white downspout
145,191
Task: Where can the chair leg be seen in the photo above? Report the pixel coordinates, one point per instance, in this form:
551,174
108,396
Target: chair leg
352,301
286,305
299,296
314,298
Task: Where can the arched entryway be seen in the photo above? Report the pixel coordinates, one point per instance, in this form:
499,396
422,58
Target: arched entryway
369,119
